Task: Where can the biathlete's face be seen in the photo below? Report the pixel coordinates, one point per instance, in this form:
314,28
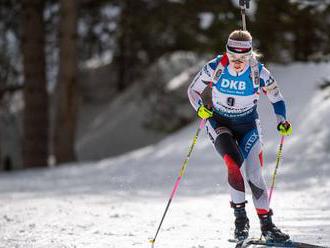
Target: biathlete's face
239,53
238,61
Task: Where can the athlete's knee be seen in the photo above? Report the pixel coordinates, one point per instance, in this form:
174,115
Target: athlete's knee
254,163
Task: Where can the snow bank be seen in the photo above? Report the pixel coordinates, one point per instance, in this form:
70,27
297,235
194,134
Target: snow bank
139,116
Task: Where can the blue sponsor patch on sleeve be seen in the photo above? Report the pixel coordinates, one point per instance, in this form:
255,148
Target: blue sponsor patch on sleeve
279,108
214,62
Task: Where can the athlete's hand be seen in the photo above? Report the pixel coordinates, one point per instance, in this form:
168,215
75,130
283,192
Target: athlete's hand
285,128
204,113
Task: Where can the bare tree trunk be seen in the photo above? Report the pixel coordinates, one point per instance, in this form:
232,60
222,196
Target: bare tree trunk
1,159
35,139
124,58
66,100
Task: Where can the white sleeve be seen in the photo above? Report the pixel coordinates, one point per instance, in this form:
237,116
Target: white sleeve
270,86
199,84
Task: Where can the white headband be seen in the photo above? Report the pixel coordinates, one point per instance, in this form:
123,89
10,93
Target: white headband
239,44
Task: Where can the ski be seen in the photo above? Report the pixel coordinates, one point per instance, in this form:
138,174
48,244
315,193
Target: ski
239,243
288,244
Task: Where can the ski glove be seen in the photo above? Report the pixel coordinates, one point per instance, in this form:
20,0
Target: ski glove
204,113
284,128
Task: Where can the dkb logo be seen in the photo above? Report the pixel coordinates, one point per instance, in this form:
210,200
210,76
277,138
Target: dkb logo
232,84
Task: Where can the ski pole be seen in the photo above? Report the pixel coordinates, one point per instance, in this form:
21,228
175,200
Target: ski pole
176,185
278,158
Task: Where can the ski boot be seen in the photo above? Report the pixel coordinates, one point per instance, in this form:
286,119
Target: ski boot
241,222
269,230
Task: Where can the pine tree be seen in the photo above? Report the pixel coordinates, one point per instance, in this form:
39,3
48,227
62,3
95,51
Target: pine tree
35,143
66,92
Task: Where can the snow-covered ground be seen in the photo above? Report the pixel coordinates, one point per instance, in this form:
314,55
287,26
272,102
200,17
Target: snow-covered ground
118,202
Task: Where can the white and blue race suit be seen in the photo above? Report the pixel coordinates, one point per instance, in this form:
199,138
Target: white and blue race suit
234,128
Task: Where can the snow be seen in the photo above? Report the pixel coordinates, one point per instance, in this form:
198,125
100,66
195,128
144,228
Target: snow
99,60
181,79
178,81
206,19
319,5
128,114
118,202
